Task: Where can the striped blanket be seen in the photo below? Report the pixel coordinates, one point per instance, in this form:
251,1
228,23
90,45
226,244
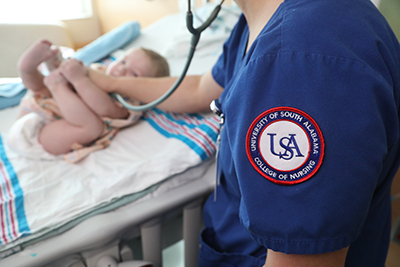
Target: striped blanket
12,211
38,196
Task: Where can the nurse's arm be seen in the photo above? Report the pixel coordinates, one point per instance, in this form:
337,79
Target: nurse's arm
193,95
331,259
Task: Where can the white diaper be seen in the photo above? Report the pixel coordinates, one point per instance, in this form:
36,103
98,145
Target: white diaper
23,137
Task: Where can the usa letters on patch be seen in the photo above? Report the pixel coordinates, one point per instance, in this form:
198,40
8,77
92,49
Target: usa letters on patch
285,145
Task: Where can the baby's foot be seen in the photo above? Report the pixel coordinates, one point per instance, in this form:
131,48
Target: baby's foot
36,54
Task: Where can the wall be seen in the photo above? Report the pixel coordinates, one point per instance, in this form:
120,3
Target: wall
85,30
109,14
115,12
391,10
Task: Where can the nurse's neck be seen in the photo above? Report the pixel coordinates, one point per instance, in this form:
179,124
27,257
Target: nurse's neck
257,13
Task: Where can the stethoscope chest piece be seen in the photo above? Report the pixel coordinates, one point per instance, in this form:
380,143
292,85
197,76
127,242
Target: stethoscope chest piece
215,107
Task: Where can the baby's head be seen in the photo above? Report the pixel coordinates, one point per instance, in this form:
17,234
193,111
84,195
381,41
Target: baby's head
139,62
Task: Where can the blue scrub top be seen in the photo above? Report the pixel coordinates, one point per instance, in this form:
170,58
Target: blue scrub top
310,142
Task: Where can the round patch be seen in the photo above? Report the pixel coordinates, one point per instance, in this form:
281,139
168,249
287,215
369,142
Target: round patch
285,145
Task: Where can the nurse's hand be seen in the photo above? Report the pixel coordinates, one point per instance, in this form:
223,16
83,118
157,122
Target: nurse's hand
54,79
73,70
331,259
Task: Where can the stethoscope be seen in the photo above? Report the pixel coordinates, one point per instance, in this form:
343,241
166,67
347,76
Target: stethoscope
196,32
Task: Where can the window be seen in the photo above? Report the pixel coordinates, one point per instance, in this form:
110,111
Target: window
42,10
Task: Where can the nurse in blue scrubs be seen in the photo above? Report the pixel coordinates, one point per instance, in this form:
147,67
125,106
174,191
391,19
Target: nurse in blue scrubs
310,94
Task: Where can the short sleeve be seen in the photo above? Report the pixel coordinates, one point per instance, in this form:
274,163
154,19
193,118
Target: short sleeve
225,67
355,111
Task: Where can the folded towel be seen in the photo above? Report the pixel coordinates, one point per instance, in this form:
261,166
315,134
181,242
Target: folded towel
10,87
11,92
109,42
6,102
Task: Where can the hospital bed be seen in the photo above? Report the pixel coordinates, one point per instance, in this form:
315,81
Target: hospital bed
152,189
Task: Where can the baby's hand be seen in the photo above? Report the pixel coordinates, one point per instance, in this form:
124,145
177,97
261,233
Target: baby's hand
73,70
54,78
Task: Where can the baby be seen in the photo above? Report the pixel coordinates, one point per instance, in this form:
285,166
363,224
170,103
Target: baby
78,117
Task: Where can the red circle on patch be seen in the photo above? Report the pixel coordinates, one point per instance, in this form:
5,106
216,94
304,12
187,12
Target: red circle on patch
285,145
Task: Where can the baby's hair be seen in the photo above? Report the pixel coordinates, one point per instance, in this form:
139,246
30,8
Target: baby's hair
159,61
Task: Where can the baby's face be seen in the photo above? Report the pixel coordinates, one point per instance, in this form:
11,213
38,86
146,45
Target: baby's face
136,64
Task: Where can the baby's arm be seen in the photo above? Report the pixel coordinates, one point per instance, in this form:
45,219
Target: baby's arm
98,100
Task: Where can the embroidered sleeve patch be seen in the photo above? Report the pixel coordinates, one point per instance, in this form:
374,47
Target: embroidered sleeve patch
285,145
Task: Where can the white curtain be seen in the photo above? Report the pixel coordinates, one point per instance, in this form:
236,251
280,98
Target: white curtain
42,10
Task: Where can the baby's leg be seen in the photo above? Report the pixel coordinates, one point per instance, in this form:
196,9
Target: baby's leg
29,62
79,125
